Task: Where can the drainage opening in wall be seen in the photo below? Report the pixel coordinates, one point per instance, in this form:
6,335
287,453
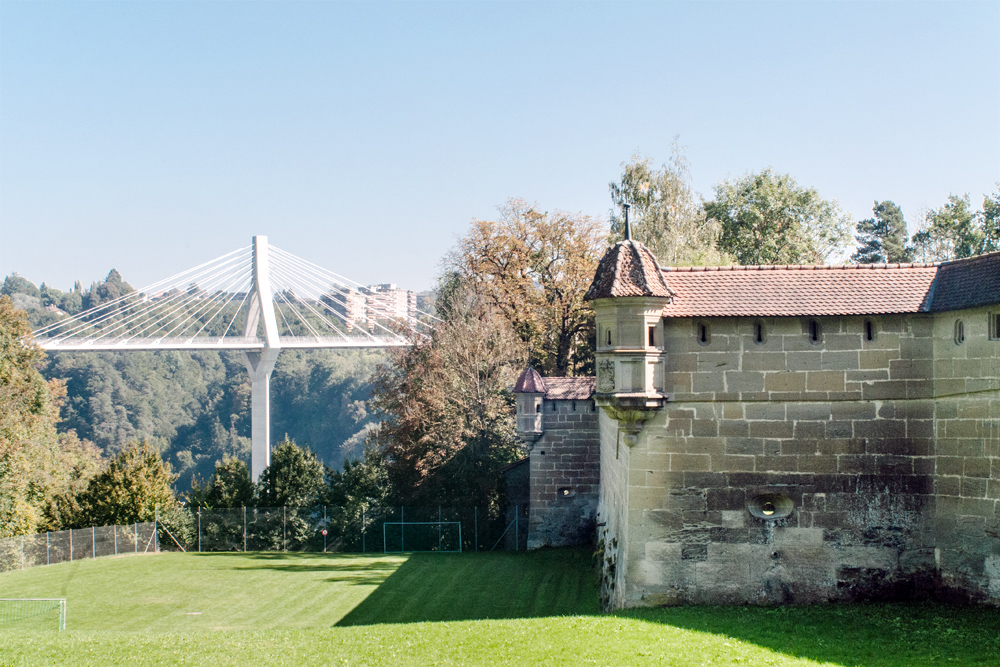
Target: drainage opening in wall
566,492
771,506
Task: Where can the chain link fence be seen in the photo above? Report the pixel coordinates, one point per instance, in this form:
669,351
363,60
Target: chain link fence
19,553
329,528
322,528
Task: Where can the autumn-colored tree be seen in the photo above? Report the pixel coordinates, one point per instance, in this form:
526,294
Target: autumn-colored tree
448,426
535,267
133,488
41,470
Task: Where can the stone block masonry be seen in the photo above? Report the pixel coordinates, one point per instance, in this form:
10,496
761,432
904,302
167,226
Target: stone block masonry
565,475
864,464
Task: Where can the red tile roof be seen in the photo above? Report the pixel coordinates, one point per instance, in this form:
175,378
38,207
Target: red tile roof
570,389
776,291
967,283
628,269
529,382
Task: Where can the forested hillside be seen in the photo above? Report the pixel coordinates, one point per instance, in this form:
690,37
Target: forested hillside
194,407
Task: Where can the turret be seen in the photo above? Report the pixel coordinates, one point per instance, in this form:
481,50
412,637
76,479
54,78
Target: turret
530,391
628,295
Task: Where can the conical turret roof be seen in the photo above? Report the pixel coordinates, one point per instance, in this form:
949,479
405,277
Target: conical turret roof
628,269
530,382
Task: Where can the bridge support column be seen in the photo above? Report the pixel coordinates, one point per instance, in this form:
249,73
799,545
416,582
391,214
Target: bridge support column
260,365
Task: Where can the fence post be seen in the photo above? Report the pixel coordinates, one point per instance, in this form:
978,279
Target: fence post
114,529
199,530
439,528
22,552
364,526
93,542
402,528
284,528
46,548
244,529
135,529
71,545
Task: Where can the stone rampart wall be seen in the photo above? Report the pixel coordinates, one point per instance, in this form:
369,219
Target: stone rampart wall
566,476
888,451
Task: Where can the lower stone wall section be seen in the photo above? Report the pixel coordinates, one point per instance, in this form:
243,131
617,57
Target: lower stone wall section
806,502
565,481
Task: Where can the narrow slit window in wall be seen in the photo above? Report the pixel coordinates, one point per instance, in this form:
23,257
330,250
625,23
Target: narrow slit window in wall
704,337
813,331
652,336
538,408
959,332
869,330
609,336
758,333
994,326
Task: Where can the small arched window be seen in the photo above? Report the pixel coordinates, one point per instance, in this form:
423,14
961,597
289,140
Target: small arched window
703,334
959,332
869,330
758,333
609,336
814,331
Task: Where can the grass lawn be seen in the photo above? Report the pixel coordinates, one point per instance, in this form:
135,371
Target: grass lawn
471,609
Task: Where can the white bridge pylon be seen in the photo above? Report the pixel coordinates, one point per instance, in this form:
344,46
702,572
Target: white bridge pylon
257,299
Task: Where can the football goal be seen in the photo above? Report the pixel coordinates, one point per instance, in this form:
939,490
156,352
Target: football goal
33,613
443,536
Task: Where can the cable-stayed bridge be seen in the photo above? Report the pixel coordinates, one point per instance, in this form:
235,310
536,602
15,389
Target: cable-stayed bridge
258,299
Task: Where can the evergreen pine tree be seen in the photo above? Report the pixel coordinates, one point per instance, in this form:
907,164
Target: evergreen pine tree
882,238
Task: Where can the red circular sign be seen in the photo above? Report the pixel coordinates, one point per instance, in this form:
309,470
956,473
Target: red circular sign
324,532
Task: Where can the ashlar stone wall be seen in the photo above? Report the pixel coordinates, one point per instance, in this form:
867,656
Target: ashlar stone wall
805,460
565,474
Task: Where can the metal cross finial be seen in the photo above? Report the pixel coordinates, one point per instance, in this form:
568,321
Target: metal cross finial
628,226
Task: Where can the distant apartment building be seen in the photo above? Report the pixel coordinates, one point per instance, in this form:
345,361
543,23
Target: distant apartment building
375,303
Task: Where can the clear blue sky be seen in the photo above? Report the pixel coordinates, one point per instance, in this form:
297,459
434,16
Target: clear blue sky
152,136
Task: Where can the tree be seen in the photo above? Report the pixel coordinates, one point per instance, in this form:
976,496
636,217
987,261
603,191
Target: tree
664,214
133,488
990,220
448,424
767,218
230,486
350,493
535,267
293,479
109,289
883,238
41,470
950,232
15,284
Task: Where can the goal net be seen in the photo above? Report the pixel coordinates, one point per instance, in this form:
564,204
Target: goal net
442,536
33,613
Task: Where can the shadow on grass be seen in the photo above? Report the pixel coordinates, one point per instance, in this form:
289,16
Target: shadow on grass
868,635
353,569
478,586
